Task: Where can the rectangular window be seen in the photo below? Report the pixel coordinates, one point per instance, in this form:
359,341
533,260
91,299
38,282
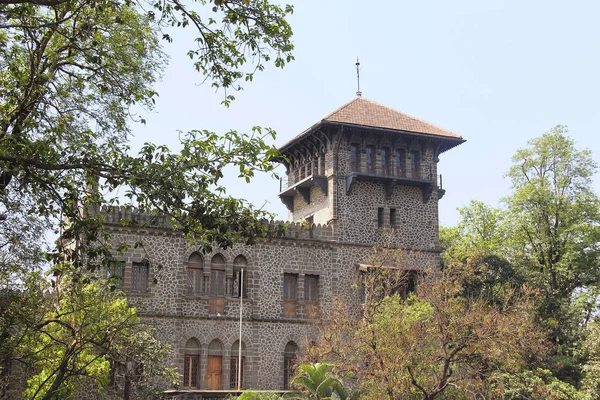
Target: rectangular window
392,217
311,284
233,372
414,164
116,271
380,217
322,164
194,281
311,295
290,282
370,155
216,301
399,156
139,277
206,285
354,158
385,165
217,286
237,283
191,369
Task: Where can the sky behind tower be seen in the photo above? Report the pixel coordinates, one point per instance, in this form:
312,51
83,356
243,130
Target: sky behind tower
496,72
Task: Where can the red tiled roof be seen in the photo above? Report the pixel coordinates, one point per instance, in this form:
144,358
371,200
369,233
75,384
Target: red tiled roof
361,111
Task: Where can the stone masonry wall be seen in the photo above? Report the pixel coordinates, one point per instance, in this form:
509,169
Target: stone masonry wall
416,220
180,317
347,227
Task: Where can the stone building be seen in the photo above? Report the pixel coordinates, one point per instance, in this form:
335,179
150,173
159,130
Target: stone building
365,175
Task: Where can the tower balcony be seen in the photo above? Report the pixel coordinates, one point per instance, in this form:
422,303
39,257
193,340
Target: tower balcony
302,187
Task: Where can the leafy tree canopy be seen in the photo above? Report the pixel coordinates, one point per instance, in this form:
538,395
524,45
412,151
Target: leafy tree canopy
71,71
555,214
547,239
434,344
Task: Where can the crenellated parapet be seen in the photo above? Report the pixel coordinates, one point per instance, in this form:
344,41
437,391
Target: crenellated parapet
133,218
299,230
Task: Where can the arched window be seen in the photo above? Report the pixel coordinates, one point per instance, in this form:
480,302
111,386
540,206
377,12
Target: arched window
322,164
290,357
234,366
399,162
216,300
385,161
303,168
237,287
296,172
414,164
214,366
194,274
354,158
191,364
370,158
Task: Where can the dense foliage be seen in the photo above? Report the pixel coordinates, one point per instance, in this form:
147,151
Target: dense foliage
512,313
547,238
72,75
435,343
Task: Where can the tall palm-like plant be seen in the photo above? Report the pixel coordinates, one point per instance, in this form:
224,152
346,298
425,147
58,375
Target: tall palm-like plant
318,384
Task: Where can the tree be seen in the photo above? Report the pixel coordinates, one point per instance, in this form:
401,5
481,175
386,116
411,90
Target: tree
591,381
555,240
21,283
482,229
70,73
479,243
435,344
85,331
555,214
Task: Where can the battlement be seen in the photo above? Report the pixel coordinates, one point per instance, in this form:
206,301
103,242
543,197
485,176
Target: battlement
130,217
299,230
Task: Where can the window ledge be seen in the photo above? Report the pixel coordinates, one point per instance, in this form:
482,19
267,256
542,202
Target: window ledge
194,297
139,293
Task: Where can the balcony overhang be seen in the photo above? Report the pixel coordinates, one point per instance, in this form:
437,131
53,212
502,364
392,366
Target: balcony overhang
390,181
303,189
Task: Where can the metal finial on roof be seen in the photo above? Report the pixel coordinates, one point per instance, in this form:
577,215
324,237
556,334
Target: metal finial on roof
358,92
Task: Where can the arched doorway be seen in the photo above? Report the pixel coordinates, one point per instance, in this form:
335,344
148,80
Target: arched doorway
214,366
290,358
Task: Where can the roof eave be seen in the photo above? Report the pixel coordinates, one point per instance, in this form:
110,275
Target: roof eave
451,142
301,136
456,140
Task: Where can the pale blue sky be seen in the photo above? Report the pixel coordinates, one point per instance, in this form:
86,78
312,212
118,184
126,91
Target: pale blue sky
496,72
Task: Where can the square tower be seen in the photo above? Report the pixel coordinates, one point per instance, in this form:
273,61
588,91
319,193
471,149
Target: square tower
370,172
